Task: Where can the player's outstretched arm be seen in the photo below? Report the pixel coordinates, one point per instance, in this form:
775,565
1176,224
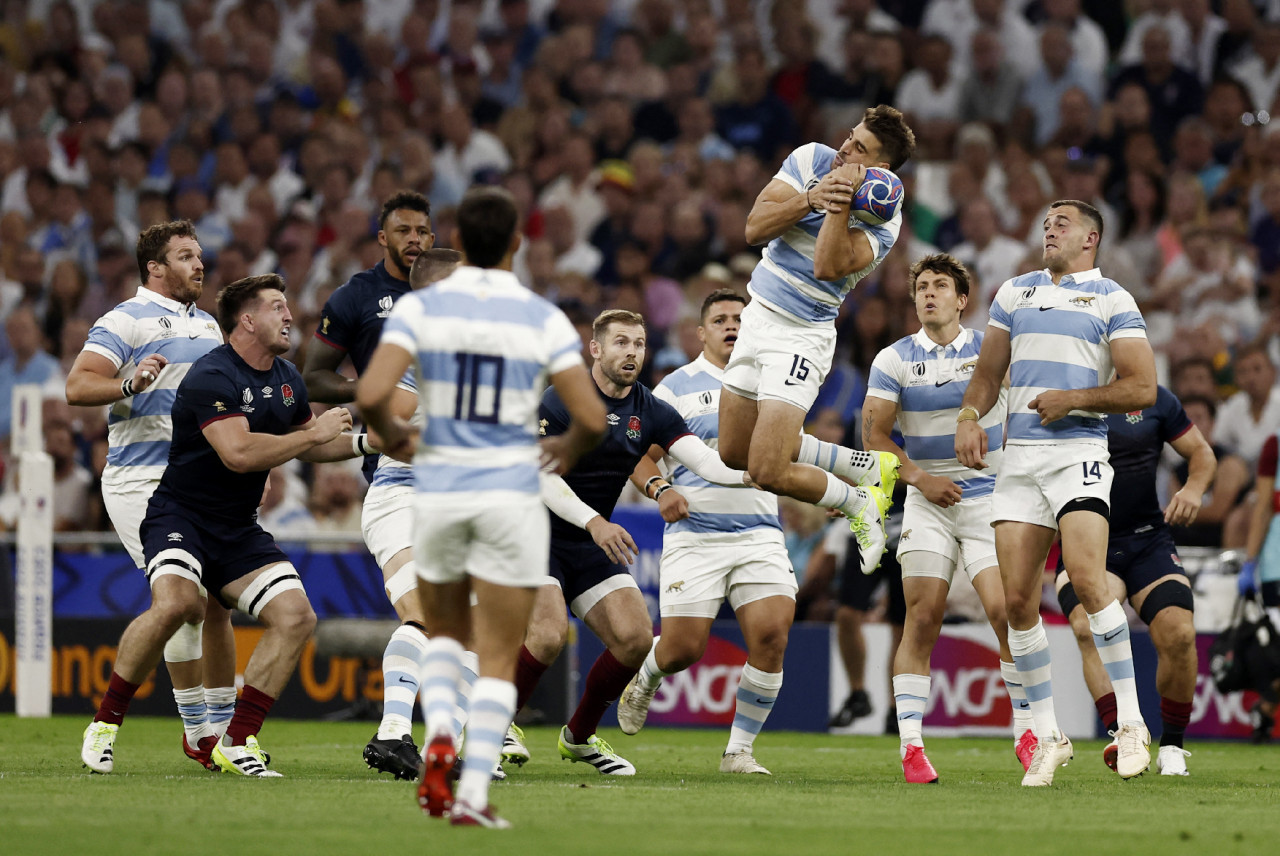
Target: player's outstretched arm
320,373
616,542
878,416
981,396
705,462
778,207
579,394
376,396
1184,506
92,379
243,451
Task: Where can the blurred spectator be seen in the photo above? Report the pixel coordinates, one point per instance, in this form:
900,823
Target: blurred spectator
1259,68
1247,418
930,97
1212,281
755,118
282,513
992,86
29,363
576,188
336,494
958,20
72,483
1039,113
991,256
1230,481
1195,377
1204,30
1165,17
1174,92
1088,42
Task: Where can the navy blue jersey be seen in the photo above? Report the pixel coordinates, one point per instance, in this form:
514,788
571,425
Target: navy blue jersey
221,385
353,315
1136,441
634,423
352,321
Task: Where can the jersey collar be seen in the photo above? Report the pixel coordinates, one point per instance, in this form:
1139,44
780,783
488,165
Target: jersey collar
167,302
962,338
1074,278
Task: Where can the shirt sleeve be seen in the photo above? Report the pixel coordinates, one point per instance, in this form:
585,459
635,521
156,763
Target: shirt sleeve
1267,459
1174,421
337,328
669,425
553,418
1124,321
209,394
112,337
1000,316
797,169
400,326
884,382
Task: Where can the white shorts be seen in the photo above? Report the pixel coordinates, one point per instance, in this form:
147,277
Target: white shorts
386,521
695,580
500,537
1036,481
780,358
126,504
961,533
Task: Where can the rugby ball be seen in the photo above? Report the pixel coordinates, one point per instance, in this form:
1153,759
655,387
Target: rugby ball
879,198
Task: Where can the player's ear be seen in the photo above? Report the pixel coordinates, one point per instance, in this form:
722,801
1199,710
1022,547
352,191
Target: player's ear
594,347
382,238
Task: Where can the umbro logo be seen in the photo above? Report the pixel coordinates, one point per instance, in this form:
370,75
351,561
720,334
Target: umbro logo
175,536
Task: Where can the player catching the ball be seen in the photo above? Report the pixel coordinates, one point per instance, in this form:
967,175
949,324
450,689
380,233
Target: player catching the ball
811,215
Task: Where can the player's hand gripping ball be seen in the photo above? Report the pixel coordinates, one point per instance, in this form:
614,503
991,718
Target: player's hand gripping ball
878,199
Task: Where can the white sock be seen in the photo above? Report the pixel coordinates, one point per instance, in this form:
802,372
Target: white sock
1030,649
757,692
221,704
470,669
839,495
400,676
493,706
441,672
650,675
1022,719
194,713
911,695
1111,637
847,463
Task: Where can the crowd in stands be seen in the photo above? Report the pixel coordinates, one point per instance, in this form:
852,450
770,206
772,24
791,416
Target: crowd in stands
635,135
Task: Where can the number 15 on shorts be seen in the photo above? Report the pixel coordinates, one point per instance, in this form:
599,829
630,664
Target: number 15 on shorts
799,370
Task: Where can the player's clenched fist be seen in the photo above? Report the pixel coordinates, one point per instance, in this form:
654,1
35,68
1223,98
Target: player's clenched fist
331,423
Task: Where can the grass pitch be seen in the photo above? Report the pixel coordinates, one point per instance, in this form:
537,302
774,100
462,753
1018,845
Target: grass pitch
827,794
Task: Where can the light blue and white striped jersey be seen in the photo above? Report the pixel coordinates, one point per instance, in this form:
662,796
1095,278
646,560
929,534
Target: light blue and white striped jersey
928,382
390,472
485,347
784,279
139,429
1060,338
717,514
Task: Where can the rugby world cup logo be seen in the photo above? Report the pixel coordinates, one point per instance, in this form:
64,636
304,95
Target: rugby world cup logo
633,428
879,197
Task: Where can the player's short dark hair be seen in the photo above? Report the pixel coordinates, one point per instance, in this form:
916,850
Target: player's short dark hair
1209,403
403,200
1092,214
897,140
718,296
433,265
614,316
233,298
153,243
940,263
487,220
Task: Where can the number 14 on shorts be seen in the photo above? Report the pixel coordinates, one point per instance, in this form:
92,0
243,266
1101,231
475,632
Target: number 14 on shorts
1092,472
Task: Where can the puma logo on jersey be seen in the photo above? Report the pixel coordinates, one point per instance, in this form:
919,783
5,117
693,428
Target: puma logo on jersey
676,586
1083,300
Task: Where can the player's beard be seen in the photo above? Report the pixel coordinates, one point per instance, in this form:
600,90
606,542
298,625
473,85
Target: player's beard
398,259
614,374
182,289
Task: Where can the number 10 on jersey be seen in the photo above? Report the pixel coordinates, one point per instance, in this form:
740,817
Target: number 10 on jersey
476,371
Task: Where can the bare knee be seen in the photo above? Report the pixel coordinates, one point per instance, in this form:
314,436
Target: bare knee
770,642
1174,633
545,640
634,648
176,611
1019,605
292,617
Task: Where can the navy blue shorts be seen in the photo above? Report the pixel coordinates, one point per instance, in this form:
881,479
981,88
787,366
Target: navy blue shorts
857,590
580,566
1141,558
224,553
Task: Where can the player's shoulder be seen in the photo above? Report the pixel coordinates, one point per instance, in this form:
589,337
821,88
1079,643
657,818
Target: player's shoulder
906,348
1030,279
688,379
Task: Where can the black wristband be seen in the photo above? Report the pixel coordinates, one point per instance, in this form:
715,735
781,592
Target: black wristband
660,491
650,482
126,387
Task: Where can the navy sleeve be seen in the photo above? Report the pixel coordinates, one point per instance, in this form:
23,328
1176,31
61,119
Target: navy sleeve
208,393
553,417
336,327
1174,421
668,424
